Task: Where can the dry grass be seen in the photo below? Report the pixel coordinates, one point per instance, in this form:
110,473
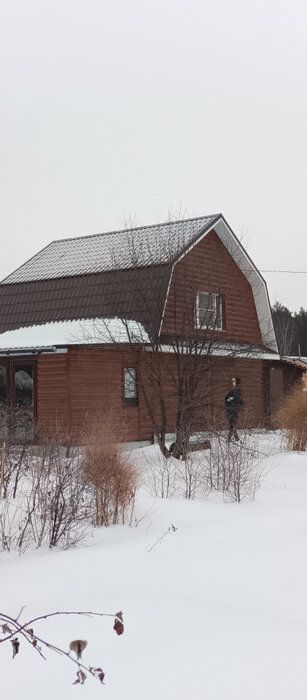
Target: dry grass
292,417
108,468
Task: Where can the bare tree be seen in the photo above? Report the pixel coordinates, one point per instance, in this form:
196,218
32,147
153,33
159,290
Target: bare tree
284,325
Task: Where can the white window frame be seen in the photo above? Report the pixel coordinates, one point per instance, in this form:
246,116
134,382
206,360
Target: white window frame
212,308
130,386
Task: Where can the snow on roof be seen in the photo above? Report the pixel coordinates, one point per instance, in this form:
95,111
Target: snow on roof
90,331
146,245
234,350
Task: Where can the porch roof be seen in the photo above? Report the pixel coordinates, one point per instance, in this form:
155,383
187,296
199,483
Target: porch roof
62,333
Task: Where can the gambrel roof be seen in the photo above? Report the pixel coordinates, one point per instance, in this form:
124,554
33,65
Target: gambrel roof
116,250
123,273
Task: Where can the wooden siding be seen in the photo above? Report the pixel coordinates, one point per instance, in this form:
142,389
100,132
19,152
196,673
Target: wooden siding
74,385
52,393
209,267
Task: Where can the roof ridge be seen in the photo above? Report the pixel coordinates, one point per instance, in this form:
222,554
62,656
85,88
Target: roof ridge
135,228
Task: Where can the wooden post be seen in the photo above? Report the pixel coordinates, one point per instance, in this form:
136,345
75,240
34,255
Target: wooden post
2,470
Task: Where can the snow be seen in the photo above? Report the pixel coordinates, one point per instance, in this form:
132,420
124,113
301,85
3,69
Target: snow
82,331
243,350
217,609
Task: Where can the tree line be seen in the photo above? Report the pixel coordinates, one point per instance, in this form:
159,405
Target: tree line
290,329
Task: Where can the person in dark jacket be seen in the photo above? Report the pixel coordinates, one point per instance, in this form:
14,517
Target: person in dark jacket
233,403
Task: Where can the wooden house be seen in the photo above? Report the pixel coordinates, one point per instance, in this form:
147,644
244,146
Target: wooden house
87,322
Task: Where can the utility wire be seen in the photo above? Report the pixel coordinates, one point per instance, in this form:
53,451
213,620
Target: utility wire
288,272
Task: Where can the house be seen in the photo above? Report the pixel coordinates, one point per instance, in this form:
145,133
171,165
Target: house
302,363
111,320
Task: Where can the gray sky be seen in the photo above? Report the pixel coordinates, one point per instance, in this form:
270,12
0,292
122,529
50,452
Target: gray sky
131,109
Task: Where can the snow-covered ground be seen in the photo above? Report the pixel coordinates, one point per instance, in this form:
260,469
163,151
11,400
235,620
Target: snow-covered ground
216,610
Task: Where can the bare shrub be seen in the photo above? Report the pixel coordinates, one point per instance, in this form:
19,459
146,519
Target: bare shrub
161,474
53,505
17,424
292,417
108,468
235,469
191,474
13,517
15,465
59,504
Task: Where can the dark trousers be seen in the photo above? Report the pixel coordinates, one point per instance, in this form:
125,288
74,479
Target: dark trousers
232,421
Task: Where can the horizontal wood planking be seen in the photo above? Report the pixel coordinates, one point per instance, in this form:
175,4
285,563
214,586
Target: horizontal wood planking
73,386
52,393
209,267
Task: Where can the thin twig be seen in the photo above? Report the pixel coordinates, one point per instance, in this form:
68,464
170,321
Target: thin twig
28,634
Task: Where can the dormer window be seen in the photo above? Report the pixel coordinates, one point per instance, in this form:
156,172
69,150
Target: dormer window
209,311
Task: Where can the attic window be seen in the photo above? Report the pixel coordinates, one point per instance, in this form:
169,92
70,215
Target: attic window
131,396
209,311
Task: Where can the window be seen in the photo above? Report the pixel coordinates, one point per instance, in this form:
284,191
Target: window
131,396
24,385
17,399
209,311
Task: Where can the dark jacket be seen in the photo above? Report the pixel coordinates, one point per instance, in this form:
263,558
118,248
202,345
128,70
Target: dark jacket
233,402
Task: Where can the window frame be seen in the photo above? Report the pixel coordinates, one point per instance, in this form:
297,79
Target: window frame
217,310
131,400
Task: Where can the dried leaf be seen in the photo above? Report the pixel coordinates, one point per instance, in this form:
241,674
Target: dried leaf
98,672
118,626
81,677
119,615
78,646
15,645
30,632
6,629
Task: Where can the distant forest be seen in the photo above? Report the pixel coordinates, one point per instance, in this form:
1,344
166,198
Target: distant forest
291,330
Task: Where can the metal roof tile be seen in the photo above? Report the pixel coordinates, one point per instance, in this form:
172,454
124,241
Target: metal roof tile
139,247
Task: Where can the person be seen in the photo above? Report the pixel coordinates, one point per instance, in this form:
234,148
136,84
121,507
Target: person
233,403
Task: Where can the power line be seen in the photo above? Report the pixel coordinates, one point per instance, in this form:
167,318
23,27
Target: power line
288,272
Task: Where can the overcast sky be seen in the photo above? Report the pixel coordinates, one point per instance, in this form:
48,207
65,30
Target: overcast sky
129,109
